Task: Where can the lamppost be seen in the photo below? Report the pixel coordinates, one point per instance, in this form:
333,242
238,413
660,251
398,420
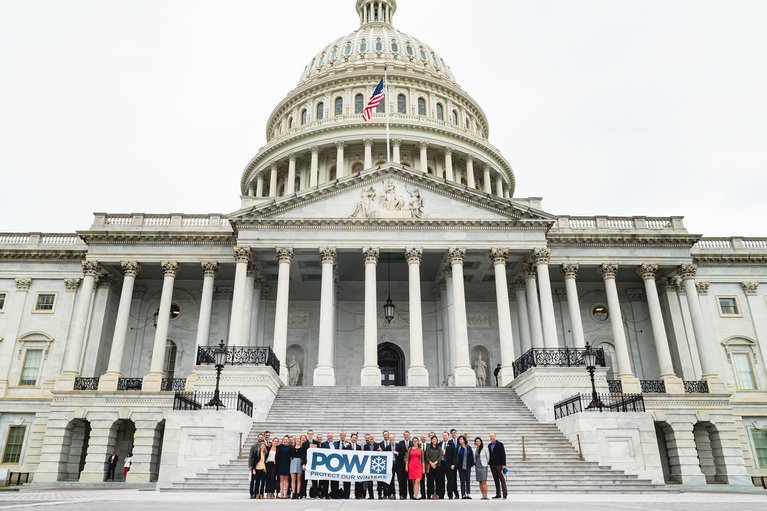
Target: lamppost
590,359
219,357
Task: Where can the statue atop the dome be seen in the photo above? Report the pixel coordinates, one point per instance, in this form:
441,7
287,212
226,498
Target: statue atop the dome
390,204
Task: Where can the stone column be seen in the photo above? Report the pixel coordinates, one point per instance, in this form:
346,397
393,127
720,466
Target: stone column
628,380
290,186
423,161
674,384
108,380
242,258
395,150
464,374
314,167
450,322
368,142
499,257
73,354
260,185
284,257
371,373
707,348
417,374
256,309
542,256
325,373
470,172
153,379
449,164
570,271
340,167
488,188
209,269
273,181
247,303
518,285
755,304
533,309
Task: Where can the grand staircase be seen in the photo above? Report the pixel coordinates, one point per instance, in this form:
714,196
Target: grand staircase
551,464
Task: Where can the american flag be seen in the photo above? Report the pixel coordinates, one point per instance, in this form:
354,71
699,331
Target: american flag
374,101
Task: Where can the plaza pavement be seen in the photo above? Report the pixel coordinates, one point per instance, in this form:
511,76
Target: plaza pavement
131,499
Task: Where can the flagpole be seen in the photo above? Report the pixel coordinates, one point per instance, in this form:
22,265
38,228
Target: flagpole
386,108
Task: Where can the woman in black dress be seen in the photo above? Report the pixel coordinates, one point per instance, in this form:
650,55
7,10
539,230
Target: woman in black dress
284,452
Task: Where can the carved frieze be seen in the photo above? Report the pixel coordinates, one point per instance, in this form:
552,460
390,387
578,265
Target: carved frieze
388,203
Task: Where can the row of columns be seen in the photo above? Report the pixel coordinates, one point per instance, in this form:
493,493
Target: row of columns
451,174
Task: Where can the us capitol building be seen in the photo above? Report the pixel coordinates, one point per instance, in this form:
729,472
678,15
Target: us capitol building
346,267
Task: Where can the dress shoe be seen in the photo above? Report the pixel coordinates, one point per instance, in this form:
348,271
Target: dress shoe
496,497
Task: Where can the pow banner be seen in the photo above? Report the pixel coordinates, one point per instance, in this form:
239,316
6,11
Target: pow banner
333,464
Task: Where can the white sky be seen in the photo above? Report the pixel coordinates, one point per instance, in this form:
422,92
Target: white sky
601,106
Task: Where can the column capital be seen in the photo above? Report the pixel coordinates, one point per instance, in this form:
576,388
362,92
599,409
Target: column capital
91,268
130,268
253,269
499,255
328,255
413,255
340,144
518,284
448,150
456,255
292,156
315,149
169,268
688,271
541,255
284,254
368,142
608,270
370,255
71,284
469,158
209,268
670,282
702,287
750,288
23,283
423,145
104,280
647,271
241,254
395,142
569,270
529,271
274,166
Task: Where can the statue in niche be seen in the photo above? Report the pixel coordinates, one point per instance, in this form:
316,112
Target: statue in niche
480,371
364,207
294,371
389,200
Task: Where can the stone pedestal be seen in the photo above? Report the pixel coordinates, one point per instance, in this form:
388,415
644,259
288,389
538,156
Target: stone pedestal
65,381
152,382
506,376
417,377
630,384
370,376
324,376
108,381
674,384
258,383
465,377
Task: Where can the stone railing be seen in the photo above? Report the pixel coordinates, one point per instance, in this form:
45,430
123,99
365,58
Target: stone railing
170,221
35,239
609,223
730,244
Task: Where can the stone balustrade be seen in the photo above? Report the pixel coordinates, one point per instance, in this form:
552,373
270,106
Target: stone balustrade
609,223
730,244
165,221
36,239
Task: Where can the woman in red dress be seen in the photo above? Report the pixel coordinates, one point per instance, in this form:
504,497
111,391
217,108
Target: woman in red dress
414,466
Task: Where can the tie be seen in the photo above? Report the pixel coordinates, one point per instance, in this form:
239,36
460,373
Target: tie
492,446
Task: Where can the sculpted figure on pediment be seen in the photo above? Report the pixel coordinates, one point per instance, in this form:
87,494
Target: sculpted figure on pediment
365,205
390,201
390,204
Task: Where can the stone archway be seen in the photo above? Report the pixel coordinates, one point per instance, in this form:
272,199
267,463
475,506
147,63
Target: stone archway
121,442
77,435
297,351
669,455
477,352
391,361
710,455
157,441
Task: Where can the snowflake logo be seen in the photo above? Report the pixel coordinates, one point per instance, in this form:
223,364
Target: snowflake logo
378,464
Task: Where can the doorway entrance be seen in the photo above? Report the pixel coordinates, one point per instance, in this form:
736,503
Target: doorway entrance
391,361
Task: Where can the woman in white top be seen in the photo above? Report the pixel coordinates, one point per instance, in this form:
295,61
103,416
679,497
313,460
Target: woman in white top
127,465
481,461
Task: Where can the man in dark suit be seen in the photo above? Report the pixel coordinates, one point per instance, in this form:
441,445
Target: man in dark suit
315,489
449,455
370,445
329,489
387,445
497,464
112,466
400,451
354,446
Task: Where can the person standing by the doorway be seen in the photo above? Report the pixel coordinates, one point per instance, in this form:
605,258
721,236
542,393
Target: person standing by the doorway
127,465
495,373
112,466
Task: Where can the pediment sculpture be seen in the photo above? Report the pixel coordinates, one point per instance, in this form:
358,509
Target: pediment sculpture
389,203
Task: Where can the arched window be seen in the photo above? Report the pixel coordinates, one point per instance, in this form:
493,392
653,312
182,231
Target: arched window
320,111
381,108
401,104
348,49
440,112
742,354
334,53
409,50
290,122
466,123
363,46
303,116
339,105
322,59
455,117
359,103
170,359
297,184
332,173
394,46
423,55
357,166
379,45
421,106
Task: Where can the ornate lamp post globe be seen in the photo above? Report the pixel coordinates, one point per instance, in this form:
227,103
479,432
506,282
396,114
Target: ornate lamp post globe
219,357
590,360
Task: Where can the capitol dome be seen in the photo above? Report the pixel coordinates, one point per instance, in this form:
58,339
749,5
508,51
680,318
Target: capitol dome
316,134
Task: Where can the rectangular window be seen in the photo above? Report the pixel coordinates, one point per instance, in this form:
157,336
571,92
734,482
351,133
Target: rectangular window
31,368
12,452
744,371
728,306
2,301
44,302
760,447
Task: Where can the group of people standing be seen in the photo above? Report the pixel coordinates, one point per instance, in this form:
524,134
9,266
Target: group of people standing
425,467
